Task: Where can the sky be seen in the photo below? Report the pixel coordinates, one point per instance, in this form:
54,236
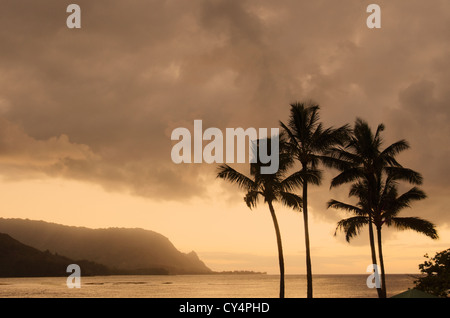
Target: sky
86,116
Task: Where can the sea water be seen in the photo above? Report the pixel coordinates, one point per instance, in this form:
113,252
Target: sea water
200,286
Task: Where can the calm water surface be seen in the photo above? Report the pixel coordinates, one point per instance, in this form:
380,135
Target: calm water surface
200,286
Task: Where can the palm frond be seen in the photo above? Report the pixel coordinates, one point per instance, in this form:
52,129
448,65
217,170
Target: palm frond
347,176
394,204
396,148
251,199
291,200
291,135
380,128
413,194
405,174
414,223
360,190
351,226
332,162
312,176
230,174
293,181
324,139
334,204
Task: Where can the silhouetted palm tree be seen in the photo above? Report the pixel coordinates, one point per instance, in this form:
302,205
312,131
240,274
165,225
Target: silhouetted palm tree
382,212
309,143
273,188
363,160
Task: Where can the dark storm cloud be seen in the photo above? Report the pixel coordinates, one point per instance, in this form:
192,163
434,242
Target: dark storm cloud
115,89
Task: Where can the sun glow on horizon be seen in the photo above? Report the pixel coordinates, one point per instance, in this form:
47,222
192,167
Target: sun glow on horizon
225,235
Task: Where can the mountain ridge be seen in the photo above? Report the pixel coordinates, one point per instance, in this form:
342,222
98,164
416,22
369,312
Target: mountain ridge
126,249
20,260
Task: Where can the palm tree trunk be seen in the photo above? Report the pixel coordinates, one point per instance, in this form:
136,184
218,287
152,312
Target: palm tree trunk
380,254
280,248
372,249
309,293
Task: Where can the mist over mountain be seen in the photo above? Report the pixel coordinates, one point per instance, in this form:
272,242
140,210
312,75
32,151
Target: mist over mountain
136,250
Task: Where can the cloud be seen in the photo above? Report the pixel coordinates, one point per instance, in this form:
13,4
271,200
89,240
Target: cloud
22,152
99,104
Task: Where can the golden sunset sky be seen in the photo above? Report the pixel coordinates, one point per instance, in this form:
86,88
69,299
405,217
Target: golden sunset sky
86,116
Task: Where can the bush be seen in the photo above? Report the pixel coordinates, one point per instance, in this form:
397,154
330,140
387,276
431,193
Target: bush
436,271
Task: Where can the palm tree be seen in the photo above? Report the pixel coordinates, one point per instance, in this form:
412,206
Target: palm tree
383,212
309,142
363,160
351,226
272,187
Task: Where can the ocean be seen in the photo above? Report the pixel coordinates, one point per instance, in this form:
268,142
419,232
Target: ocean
199,286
